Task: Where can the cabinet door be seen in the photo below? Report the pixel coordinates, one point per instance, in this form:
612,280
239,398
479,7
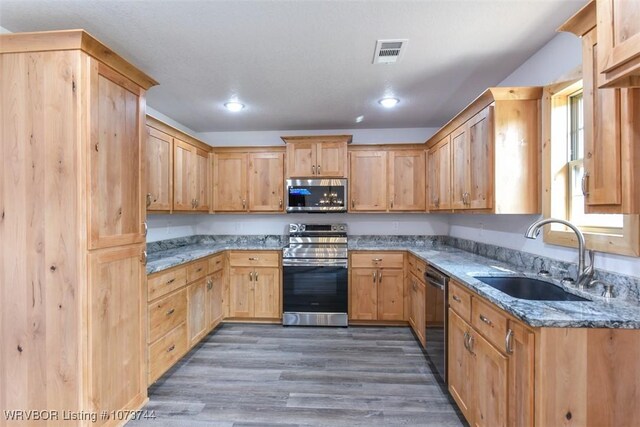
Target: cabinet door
159,154
230,182
183,170
266,182
406,180
602,162
490,384
301,159
368,183
117,202
197,313
331,159
241,292
439,181
117,309
214,299
619,34
411,289
480,142
266,289
420,312
433,180
390,294
460,365
459,167
521,375
201,191
363,294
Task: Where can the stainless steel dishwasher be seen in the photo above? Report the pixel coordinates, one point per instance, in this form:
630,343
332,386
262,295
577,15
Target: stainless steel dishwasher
436,329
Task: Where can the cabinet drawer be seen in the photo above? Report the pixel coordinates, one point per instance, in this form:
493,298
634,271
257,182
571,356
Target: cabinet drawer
167,351
166,314
377,260
254,259
490,322
197,270
165,282
417,267
216,263
460,300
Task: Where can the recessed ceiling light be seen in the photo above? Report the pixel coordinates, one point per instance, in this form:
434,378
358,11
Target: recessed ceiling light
359,119
389,102
234,106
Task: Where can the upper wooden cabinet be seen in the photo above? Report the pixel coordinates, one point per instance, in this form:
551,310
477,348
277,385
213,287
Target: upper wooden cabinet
611,128
619,39
248,181
486,157
384,179
159,169
317,156
439,169
178,170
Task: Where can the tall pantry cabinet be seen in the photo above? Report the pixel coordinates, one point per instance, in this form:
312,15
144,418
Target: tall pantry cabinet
72,227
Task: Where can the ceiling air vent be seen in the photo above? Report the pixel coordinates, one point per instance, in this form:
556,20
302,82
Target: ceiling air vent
389,51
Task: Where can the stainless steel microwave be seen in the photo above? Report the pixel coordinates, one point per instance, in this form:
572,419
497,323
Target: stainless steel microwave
317,195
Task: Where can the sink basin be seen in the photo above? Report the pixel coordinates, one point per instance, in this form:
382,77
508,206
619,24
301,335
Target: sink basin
528,288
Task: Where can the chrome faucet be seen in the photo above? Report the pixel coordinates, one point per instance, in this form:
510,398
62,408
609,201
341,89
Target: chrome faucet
585,273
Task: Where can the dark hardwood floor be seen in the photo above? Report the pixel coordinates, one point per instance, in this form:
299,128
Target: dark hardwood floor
263,375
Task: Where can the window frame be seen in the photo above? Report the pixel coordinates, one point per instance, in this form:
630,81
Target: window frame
556,176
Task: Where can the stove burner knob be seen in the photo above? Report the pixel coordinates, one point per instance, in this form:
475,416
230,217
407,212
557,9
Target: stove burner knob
302,227
293,228
342,228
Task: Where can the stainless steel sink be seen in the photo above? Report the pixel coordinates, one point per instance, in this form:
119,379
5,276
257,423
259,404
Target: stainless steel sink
528,288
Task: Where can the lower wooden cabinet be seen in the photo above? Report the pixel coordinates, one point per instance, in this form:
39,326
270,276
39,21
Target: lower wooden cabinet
376,294
254,292
460,365
165,352
417,308
197,319
214,299
489,383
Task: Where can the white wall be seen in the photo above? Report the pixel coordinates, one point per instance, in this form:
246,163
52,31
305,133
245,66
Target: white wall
162,227
377,224
557,58
360,136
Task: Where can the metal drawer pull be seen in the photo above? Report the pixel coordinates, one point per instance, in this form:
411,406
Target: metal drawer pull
199,270
486,320
456,298
253,259
508,342
170,349
376,259
171,281
170,312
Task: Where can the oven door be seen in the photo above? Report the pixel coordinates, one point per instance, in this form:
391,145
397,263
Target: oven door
315,288
316,195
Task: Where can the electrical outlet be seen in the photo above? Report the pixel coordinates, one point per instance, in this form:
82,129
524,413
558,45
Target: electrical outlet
396,226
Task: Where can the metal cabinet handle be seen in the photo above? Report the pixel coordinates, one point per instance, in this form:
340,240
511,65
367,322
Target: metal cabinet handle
255,276
209,284
465,340
170,312
313,169
437,202
375,274
251,276
280,203
197,203
471,341
244,204
353,203
584,184
170,349
318,169
143,257
456,298
508,342
486,320
380,277
146,228
391,202
149,196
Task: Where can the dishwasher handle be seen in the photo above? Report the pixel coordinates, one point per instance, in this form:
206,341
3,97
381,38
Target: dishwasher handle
435,278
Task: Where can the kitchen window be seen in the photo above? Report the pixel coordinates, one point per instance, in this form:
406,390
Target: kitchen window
563,123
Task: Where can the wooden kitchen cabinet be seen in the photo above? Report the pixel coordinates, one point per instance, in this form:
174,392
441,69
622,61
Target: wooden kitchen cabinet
376,289
266,182
406,180
255,285
520,347
190,177
398,184
197,313
489,383
487,155
317,156
619,36
417,315
439,169
214,299
611,128
248,181
159,169
72,228
460,365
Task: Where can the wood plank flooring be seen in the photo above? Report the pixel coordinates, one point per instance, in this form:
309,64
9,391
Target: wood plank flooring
269,375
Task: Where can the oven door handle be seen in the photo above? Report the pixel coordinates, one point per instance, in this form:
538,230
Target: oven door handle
307,263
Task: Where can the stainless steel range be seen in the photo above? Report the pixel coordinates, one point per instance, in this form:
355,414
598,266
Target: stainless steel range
315,275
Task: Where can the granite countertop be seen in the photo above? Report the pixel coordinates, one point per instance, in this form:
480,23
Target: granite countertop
463,266
456,263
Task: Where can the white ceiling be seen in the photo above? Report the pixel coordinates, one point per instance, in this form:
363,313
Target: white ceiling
307,64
